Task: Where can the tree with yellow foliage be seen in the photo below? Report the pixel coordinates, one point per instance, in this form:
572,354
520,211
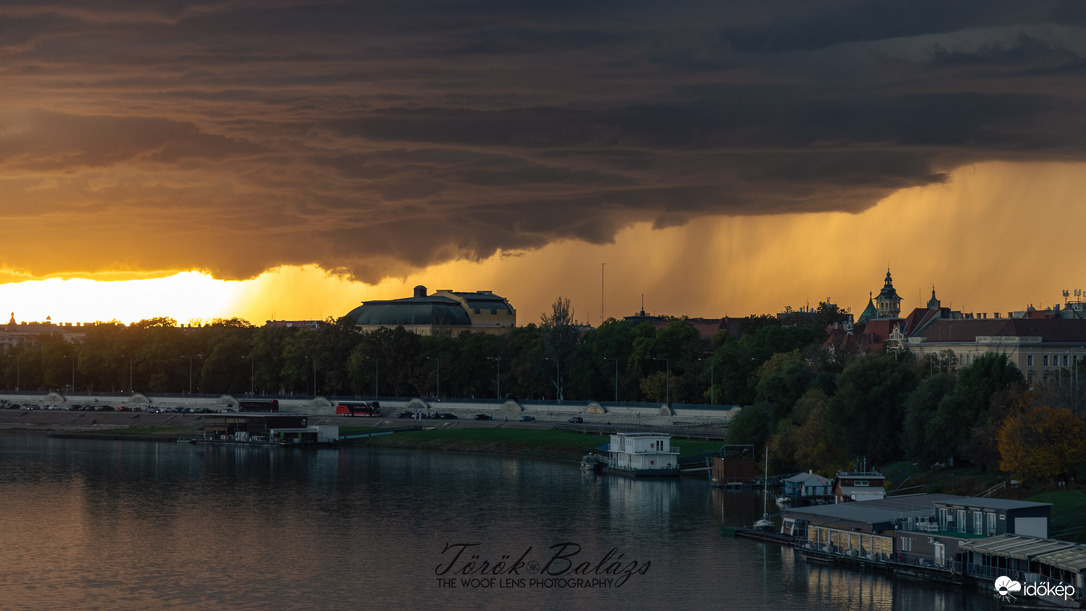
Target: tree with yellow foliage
1042,443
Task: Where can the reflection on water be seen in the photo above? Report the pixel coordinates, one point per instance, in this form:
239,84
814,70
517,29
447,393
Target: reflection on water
95,524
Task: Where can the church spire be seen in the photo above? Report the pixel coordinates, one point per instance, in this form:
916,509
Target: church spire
888,301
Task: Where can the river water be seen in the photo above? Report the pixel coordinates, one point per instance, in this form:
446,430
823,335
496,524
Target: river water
137,525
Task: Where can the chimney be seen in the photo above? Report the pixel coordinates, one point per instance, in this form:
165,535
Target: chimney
420,291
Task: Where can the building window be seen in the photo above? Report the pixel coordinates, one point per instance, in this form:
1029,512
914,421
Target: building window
960,524
1065,360
991,523
978,523
1029,361
1045,360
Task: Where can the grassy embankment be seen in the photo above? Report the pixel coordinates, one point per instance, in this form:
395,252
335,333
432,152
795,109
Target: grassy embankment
551,444
170,431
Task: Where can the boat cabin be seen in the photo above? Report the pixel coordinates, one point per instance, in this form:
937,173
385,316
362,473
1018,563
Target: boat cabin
858,486
642,454
807,486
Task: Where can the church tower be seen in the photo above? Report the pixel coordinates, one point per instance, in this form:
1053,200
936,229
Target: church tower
888,302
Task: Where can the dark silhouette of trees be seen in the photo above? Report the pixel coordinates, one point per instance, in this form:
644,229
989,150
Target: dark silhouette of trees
812,411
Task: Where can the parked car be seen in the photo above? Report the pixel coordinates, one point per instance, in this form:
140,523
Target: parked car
405,414
527,418
482,417
576,420
445,416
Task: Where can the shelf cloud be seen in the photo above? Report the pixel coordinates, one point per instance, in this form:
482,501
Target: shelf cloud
376,138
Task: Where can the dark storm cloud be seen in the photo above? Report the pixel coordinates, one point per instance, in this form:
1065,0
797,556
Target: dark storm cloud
370,137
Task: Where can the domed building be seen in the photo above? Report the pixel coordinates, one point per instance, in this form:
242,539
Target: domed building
444,311
888,301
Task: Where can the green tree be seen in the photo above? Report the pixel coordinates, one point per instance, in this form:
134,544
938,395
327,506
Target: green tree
868,410
781,381
967,405
558,337
920,409
99,358
813,448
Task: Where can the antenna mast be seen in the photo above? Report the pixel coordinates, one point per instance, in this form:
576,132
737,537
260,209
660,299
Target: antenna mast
603,313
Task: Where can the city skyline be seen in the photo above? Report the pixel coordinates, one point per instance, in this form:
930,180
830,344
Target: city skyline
285,160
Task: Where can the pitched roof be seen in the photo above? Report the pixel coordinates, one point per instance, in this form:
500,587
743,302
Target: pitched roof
1048,329
809,477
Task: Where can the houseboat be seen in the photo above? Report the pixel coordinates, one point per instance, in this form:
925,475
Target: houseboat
642,455
736,467
923,535
859,485
805,489
265,429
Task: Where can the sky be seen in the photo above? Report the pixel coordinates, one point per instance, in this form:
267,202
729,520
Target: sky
290,159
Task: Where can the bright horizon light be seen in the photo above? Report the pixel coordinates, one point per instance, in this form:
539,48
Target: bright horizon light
984,241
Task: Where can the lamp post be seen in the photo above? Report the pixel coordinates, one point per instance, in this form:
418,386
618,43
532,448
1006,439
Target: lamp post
190,371
438,362
18,357
72,359
190,368
498,359
252,374
667,379
606,358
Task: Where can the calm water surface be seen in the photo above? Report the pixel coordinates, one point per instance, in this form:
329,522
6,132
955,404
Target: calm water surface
108,525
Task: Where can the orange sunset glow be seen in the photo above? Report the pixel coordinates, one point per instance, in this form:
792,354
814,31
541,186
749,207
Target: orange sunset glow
741,265
285,161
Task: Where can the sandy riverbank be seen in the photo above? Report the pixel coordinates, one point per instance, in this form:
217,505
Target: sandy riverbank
61,420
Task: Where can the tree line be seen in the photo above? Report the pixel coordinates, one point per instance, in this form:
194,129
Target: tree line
549,360
814,408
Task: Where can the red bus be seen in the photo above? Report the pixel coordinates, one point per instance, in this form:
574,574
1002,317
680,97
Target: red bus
358,408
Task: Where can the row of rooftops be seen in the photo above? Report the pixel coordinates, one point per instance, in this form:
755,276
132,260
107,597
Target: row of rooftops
892,511
888,509
1052,552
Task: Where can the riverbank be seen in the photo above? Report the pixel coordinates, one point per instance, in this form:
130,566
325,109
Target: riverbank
63,421
549,443
538,440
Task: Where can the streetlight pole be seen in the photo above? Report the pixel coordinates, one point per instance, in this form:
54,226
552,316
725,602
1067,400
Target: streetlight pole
667,379
252,374
376,378
73,372
606,358
438,362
